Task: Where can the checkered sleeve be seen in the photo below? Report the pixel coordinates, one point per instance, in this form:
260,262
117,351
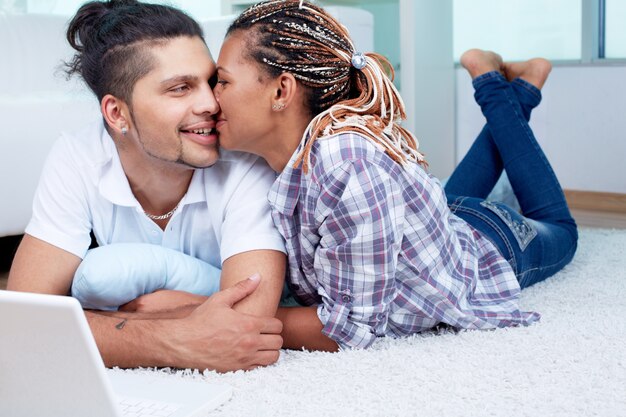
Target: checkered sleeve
360,210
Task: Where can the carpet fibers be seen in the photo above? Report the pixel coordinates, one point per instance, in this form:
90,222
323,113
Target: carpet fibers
572,363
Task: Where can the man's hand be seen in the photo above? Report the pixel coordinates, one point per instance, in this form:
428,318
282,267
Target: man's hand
215,336
163,301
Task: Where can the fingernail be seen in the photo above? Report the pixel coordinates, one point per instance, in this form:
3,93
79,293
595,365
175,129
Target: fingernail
255,277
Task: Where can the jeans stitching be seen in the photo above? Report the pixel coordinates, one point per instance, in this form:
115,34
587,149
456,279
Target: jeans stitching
523,237
544,267
457,207
528,87
488,76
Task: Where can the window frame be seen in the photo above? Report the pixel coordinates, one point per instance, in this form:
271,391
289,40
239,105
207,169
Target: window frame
593,37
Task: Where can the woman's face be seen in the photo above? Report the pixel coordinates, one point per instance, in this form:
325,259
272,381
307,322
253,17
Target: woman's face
245,122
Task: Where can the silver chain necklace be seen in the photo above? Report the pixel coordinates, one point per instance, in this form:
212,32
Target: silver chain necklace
162,216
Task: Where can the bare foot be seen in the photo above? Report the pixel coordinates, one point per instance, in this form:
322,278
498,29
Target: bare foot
534,71
478,62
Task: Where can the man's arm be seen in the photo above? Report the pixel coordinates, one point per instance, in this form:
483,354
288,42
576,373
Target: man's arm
41,267
214,336
270,265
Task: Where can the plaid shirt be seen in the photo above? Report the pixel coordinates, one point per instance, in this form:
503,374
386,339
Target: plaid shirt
376,247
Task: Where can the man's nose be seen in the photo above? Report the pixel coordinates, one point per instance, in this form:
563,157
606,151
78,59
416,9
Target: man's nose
206,102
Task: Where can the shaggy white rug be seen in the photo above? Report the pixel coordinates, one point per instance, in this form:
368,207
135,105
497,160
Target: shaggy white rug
572,363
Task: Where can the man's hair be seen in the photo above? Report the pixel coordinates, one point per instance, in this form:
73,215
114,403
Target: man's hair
112,41
302,39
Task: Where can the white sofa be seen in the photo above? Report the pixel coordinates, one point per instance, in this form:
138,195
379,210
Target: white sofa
37,102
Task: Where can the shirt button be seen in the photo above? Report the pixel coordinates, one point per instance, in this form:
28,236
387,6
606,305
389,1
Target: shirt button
346,298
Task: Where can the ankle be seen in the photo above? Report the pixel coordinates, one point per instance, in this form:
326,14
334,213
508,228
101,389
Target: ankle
534,71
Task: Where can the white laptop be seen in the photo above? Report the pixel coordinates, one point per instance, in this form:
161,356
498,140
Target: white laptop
50,367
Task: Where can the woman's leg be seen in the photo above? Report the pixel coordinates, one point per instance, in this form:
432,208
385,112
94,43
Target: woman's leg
542,241
532,178
480,169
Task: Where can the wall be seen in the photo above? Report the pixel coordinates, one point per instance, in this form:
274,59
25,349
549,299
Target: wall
581,125
428,79
386,40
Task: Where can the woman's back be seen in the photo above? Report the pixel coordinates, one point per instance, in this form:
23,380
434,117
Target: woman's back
378,237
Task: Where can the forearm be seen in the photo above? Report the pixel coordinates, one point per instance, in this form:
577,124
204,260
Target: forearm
129,343
303,329
176,313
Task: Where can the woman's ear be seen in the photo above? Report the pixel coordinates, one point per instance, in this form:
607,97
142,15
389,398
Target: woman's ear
287,88
116,114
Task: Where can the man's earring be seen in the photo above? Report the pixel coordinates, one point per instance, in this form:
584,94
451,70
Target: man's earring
124,130
278,106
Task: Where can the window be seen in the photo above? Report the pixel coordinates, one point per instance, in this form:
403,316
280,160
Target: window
519,29
615,30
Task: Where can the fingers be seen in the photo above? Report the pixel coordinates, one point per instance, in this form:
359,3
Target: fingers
271,326
231,296
270,342
264,358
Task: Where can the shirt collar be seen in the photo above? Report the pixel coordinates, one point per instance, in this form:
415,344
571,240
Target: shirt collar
196,193
285,192
113,184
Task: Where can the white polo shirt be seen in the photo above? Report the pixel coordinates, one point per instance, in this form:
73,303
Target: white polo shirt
83,188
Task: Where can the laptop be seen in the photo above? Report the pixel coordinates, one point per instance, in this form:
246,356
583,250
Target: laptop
50,367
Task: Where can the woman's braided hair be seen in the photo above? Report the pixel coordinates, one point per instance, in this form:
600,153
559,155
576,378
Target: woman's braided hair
298,37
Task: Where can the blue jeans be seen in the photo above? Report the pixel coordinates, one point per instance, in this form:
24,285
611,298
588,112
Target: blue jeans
543,238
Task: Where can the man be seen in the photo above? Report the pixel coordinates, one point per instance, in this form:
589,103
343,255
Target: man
140,176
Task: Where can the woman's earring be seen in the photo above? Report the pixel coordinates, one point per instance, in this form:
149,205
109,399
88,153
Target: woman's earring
124,130
278,106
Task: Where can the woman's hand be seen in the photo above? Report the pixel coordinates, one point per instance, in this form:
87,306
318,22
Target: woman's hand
162,300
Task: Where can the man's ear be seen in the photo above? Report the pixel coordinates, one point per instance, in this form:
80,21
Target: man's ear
116,114
286,90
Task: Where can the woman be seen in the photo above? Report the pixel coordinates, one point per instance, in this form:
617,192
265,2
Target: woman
376,247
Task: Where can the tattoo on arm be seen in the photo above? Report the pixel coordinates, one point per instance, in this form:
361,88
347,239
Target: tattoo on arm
121,324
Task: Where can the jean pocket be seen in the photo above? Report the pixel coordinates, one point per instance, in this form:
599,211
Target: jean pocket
522,230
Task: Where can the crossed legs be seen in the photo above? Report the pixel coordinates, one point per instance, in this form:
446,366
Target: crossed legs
506,141
507,93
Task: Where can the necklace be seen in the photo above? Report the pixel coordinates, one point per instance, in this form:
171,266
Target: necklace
162,216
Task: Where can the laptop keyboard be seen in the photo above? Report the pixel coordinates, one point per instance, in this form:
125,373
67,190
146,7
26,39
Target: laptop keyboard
140,407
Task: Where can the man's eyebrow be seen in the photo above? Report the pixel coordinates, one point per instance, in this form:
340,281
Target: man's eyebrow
180,79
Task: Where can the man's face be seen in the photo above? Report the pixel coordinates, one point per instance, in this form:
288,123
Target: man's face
173,106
